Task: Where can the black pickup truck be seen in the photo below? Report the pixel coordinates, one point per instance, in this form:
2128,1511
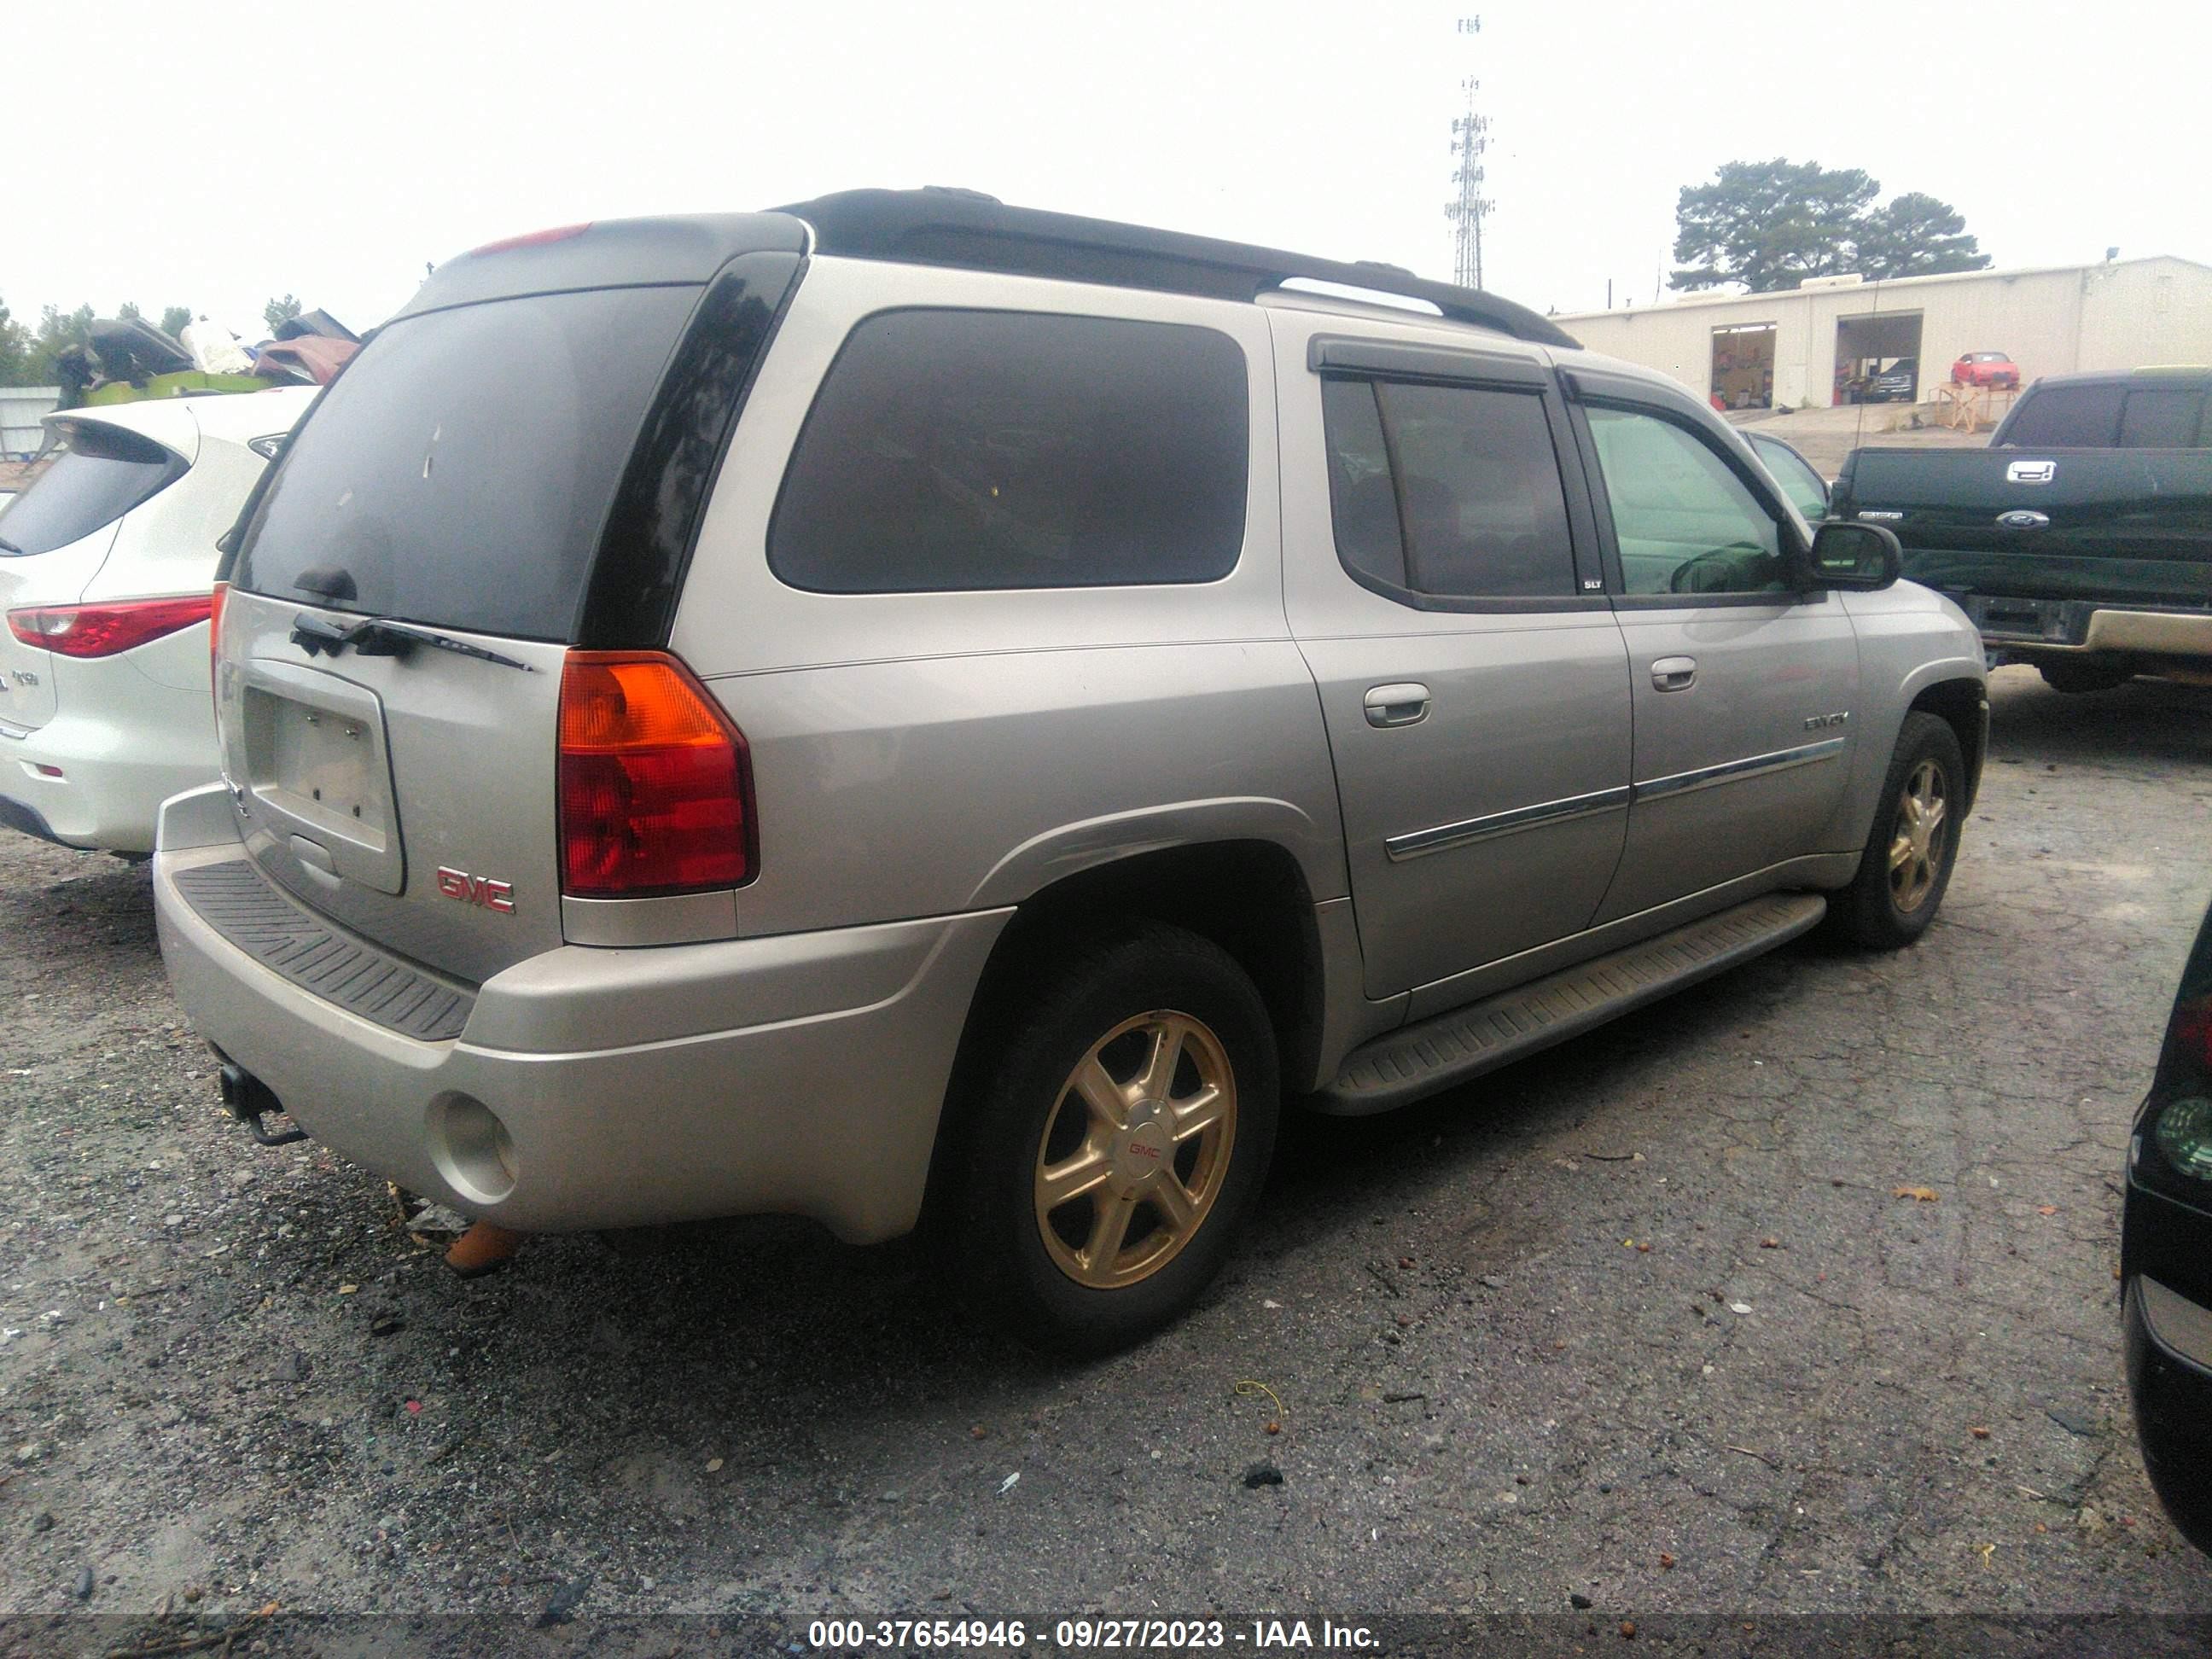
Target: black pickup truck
2090,557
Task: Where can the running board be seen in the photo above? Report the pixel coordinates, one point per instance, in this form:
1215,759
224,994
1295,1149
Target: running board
1404,1065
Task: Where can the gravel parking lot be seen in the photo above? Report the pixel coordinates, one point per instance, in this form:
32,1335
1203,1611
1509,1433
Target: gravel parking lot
1644,1320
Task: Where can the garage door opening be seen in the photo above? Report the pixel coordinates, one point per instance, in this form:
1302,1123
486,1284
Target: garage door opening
1743,366
1878,359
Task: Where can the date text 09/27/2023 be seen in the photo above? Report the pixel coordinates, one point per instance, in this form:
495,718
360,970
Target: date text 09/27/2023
1088,1635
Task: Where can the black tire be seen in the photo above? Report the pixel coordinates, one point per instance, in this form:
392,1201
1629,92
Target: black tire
995,1244
1879,911
2074,678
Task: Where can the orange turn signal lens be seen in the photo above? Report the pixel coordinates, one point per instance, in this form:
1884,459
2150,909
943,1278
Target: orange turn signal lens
655,782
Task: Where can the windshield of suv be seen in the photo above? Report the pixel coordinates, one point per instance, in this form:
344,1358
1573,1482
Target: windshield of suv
94,475
459,472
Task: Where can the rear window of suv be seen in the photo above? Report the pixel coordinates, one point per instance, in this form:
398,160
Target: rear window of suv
459,472
965,450
93,476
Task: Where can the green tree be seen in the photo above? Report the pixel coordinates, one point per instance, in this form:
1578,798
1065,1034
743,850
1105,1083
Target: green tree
1917,235
1770,225
58,330
128,311
14,351
176,320
281,311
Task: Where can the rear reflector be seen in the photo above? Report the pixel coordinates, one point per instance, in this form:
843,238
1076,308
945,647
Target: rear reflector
656,783
104,630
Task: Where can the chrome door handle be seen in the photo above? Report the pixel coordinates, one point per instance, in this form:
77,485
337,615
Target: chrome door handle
1403,704
1674,673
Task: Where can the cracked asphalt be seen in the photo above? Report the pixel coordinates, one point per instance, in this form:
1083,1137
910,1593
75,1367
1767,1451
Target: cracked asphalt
1642,1321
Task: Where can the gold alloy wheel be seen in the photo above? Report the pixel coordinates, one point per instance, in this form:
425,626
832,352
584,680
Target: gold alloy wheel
1134,1153
1916,844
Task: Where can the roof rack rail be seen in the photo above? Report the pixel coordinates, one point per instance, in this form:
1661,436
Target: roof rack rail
966,228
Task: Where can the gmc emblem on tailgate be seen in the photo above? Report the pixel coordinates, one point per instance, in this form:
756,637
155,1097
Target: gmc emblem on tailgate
477,889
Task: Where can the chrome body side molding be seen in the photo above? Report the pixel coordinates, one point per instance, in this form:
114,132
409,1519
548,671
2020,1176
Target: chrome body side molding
1416,842
1751,766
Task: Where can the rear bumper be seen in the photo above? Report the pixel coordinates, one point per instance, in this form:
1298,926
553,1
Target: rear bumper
118,758
801,1074
2029,630
2169,1359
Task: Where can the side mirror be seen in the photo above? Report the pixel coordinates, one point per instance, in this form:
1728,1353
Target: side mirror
1859,557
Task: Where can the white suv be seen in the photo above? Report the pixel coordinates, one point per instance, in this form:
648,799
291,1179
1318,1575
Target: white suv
106,563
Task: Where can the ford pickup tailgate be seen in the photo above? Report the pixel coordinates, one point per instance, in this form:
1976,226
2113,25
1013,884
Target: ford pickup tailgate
2119,526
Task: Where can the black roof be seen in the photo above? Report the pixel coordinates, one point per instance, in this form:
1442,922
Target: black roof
2187,376
976,231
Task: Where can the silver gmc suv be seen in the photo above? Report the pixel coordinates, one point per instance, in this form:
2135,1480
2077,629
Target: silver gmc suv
904,710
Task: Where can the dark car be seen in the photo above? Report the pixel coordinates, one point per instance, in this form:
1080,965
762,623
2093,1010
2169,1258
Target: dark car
1897,384
2165,1258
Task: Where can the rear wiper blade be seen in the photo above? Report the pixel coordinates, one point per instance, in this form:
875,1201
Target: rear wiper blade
377,637
7,546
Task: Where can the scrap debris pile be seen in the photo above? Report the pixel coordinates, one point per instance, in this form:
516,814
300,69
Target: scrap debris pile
127,359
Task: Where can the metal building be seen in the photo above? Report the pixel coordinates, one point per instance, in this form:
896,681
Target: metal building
1831,340
21,407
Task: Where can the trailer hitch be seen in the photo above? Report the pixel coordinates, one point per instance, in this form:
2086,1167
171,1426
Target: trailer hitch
249,1100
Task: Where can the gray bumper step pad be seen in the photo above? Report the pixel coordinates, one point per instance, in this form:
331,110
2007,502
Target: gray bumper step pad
1403,1066
247,909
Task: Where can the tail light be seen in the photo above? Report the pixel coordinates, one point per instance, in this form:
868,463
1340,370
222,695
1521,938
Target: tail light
105,630
2192,1033
2181,1123
215,625
2184,1133
656,783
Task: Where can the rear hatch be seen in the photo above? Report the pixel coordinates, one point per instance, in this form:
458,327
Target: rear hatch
55,536
2119,526
533,431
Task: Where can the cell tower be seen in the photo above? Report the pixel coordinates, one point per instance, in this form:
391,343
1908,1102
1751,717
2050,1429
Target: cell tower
1468,210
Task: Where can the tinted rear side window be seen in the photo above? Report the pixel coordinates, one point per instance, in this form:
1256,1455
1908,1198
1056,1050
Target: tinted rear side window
1477,511
1363,496
963,450
459,472
2159,419
99,473
2068,417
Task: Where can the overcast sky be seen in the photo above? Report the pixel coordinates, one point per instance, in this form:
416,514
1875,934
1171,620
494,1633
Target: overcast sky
214,154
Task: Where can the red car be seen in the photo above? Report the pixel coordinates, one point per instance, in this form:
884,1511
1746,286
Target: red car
1986,368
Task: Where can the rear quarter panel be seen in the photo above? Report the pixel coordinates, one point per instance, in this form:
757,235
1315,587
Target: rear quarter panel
921,753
